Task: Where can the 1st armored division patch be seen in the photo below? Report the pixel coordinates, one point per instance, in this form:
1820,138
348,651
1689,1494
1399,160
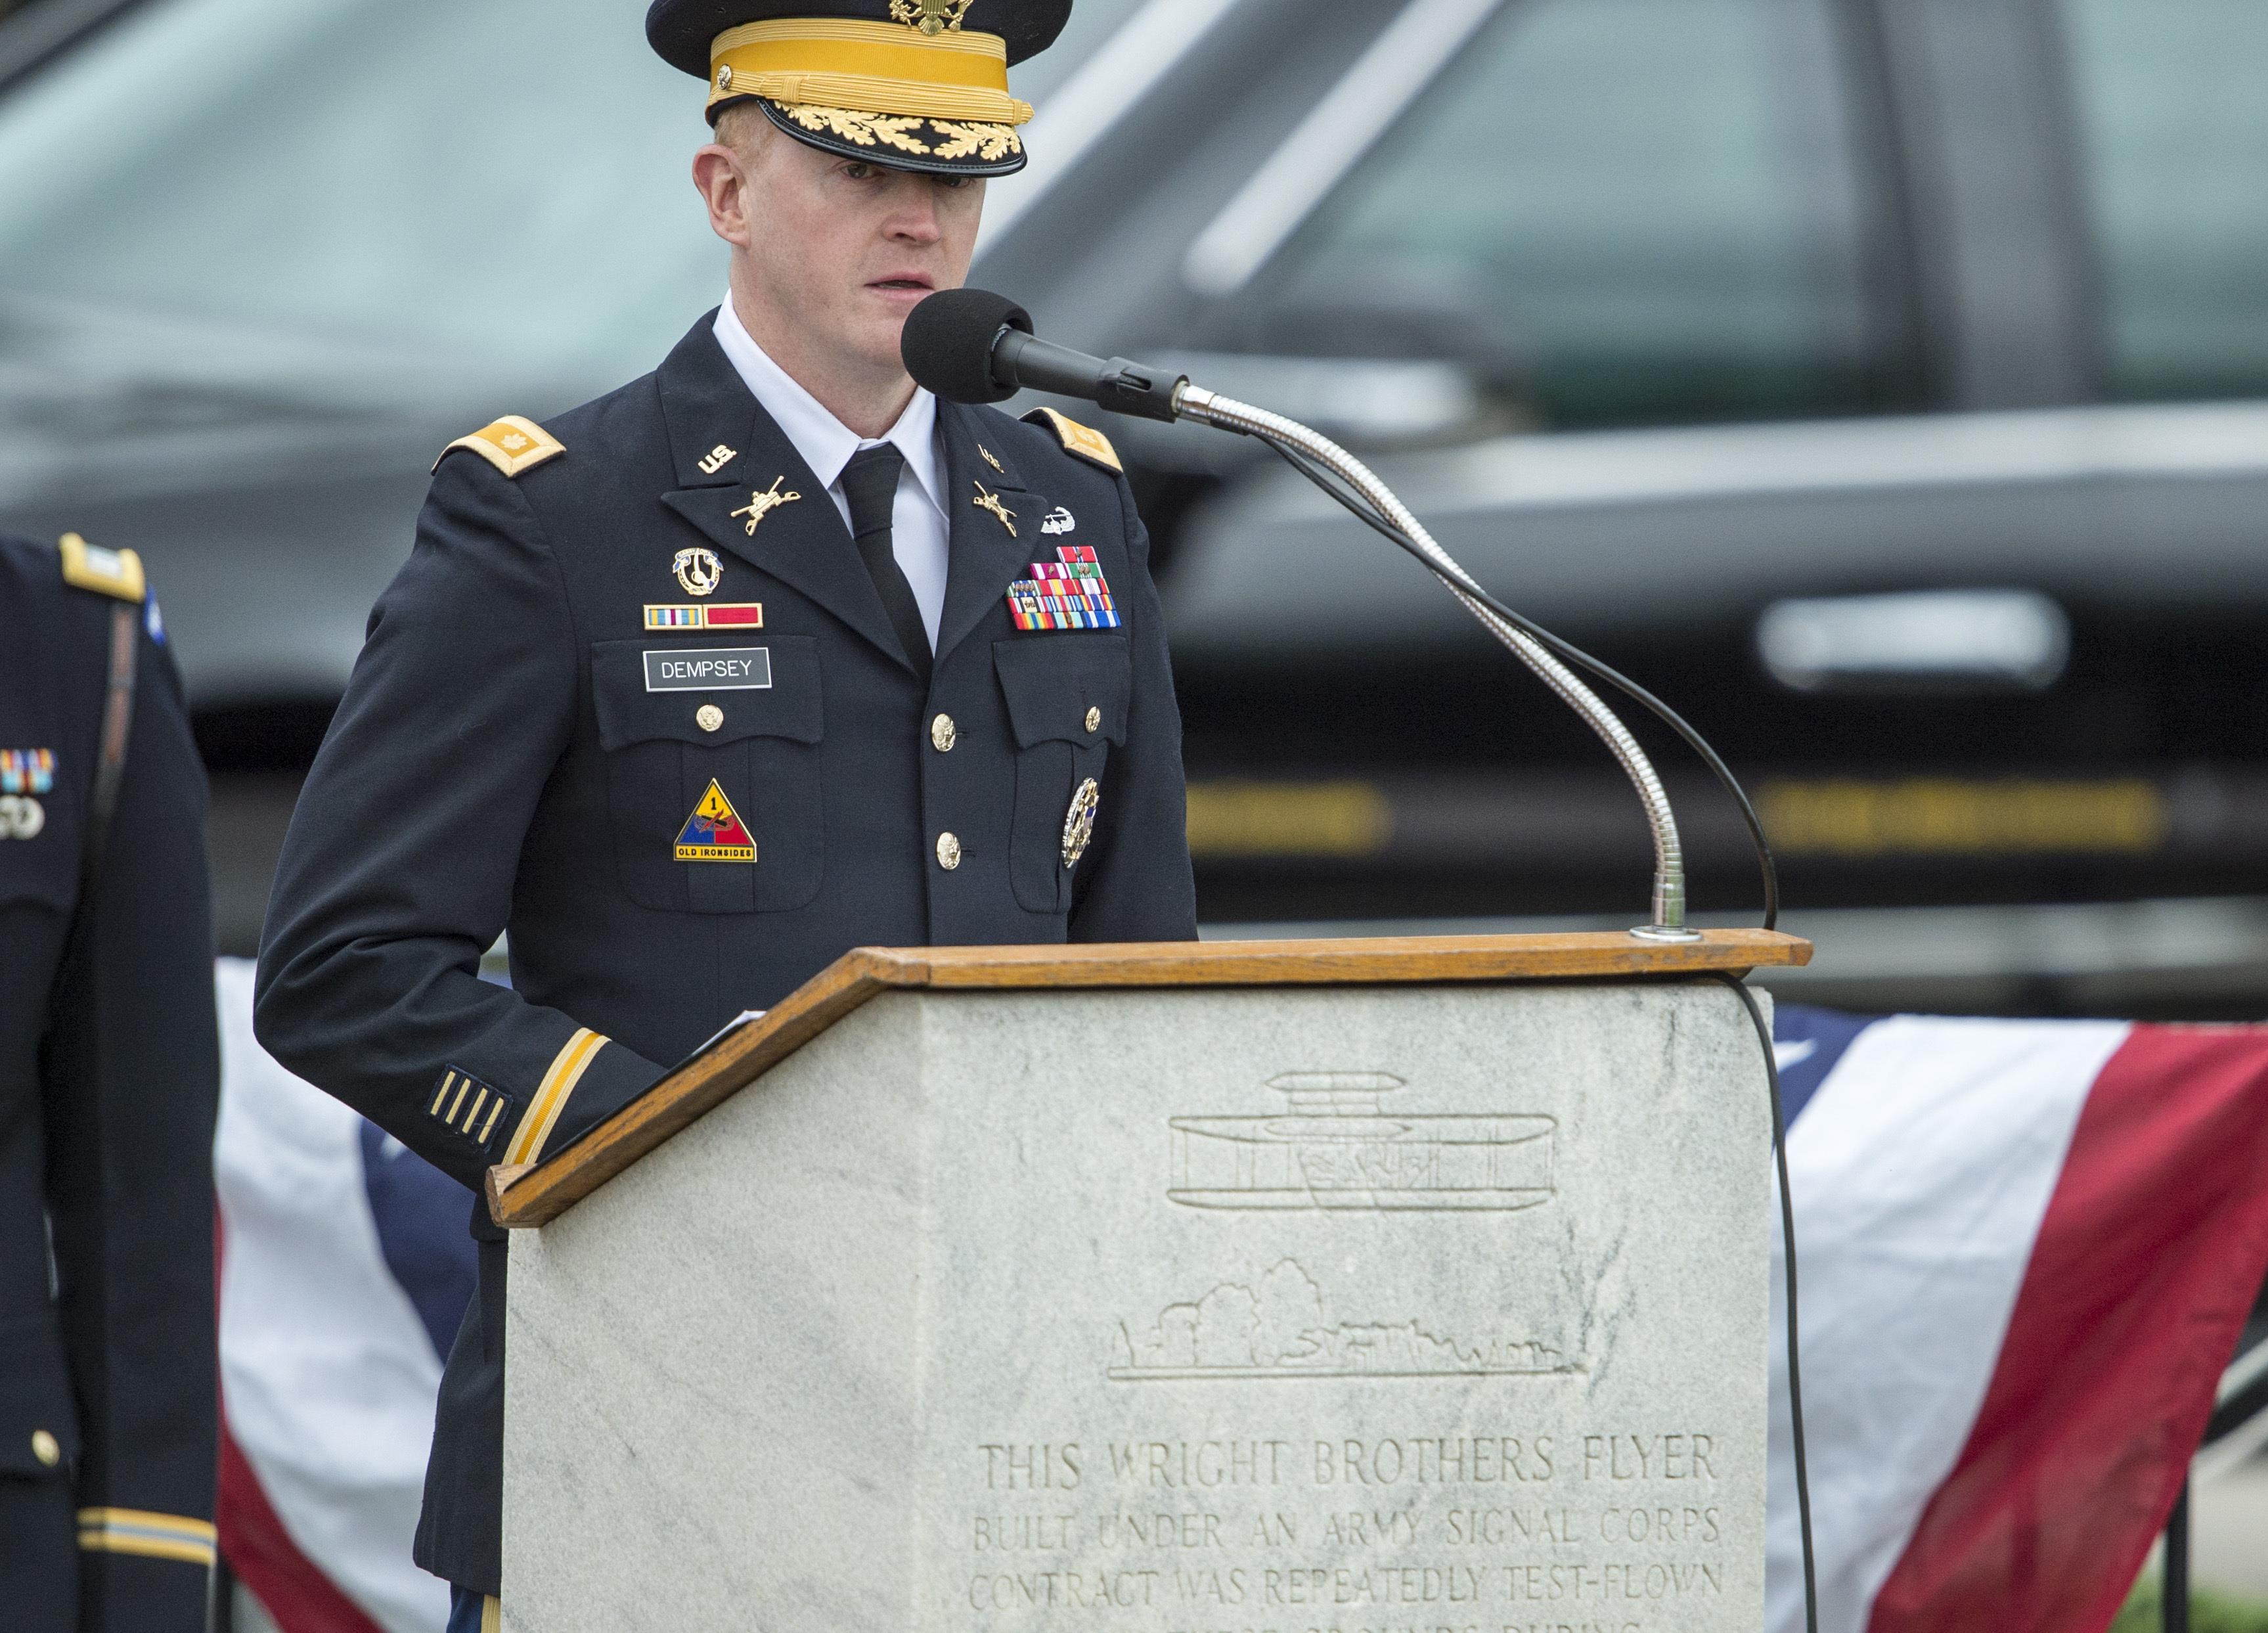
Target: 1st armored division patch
714,831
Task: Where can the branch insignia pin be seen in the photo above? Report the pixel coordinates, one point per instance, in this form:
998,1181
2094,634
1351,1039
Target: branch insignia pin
992,501
762,504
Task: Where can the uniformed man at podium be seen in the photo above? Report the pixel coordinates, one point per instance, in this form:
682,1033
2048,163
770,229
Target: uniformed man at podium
763,656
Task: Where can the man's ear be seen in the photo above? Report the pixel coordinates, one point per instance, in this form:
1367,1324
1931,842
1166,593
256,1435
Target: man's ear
721,176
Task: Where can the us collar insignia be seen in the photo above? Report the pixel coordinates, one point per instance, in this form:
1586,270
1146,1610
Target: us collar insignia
992,501
27,770
714,831
716,459
932,16
698,570
1069,593
986,454
763,505
722,615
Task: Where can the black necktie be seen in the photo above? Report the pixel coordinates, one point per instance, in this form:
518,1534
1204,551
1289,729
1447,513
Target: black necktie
870,482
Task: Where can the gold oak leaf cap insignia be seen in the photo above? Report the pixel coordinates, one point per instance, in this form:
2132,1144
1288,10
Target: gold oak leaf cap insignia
1082,442
513,444
106,572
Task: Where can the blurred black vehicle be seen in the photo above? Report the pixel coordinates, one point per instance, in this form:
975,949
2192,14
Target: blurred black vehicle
1885,382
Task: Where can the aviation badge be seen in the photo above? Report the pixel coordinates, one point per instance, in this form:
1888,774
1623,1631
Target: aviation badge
1069,593
698,572
714,831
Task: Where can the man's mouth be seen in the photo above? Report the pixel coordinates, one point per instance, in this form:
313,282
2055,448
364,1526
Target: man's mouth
904,283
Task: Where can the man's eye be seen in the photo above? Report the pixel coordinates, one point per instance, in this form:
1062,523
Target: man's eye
858,170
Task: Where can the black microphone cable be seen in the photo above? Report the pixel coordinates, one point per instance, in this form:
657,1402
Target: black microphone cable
1364,511
1330,483
1787,1247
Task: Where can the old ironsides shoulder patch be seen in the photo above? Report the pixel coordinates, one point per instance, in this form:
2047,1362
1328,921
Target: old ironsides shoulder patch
714,831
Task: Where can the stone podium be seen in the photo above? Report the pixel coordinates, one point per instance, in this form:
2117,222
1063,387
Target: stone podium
1290,1287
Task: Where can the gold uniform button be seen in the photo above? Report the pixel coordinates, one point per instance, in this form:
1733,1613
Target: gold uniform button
45,1448
1095,720
948,852
709,718
943,735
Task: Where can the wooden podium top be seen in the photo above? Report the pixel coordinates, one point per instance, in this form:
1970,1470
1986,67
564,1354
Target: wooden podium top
529,1195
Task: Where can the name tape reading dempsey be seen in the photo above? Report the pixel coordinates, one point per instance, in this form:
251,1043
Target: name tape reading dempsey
718,669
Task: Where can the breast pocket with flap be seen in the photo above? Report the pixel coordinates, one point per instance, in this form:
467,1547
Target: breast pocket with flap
1067,696
712,770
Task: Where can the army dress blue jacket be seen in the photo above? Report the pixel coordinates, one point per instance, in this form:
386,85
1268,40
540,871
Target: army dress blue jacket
109,1087
548,714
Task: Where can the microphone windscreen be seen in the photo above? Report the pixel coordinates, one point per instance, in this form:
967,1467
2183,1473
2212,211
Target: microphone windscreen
947,343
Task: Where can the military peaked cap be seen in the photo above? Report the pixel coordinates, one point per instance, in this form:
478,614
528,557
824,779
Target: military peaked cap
914,85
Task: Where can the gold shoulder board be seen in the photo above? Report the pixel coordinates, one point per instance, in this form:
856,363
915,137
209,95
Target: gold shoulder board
106,572
513,444
1082,442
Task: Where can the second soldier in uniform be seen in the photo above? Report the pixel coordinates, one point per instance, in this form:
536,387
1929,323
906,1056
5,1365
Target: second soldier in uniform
763,656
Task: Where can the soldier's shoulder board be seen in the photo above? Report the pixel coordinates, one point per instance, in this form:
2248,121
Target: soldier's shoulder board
106,572
1082,442
513,444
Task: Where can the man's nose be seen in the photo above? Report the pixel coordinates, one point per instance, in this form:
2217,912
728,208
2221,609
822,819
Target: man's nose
913,215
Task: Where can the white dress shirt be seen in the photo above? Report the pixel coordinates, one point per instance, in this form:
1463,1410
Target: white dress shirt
919,531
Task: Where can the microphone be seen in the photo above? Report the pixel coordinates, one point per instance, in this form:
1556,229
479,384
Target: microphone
970,345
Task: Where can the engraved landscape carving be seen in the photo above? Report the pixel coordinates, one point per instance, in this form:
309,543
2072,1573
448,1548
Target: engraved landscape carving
1283,1328
1338,1149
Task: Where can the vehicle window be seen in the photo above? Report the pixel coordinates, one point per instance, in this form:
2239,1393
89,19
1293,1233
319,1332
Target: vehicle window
1637,211
2176,122
421,172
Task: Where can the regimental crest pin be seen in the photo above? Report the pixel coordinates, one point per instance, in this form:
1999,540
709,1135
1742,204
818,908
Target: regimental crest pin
698,570
1078,822
762,504
992,501
714,831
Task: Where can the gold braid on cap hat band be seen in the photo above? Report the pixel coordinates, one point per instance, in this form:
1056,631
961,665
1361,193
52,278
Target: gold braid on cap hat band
869,68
